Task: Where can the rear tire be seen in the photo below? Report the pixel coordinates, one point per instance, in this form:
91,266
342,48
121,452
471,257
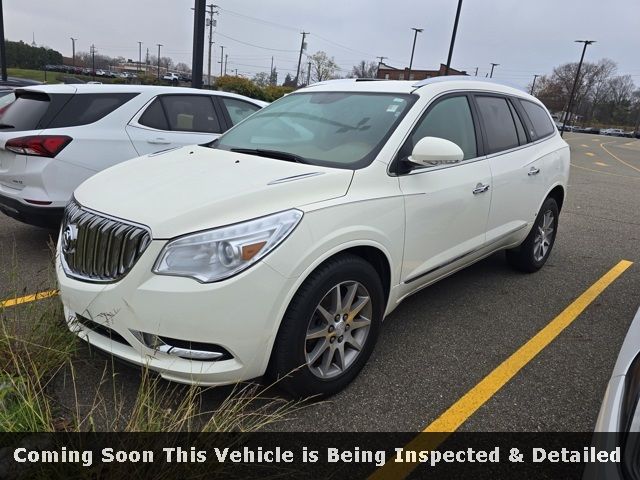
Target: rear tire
329,329
533,253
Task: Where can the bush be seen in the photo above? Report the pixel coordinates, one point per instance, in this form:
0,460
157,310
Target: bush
244,86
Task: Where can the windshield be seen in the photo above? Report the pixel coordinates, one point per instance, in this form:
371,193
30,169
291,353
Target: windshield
336,129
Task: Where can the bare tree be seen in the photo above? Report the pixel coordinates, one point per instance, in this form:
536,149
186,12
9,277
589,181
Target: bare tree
261,79
323,67
365,69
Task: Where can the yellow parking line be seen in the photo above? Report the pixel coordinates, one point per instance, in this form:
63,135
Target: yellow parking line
469,403
28,298
600,164
619,159
590,154
603,173
585,146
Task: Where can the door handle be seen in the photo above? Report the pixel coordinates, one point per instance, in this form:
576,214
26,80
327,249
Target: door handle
158,141
533,171
480,188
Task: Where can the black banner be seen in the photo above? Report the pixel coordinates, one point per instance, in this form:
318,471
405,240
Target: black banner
319,455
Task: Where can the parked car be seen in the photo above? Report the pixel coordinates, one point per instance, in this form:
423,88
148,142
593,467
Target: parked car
615,132
171,77
620,412
54,137
280,247
101,73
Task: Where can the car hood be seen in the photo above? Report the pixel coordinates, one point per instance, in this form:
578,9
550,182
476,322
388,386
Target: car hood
195,188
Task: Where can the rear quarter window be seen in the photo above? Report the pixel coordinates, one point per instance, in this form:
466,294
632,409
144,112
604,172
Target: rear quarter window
542,124
84,109
25,112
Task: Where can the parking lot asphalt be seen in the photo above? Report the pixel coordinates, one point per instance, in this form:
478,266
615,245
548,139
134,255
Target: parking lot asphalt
445,339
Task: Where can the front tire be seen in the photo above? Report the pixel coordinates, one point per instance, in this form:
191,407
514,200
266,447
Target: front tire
533,253
329,329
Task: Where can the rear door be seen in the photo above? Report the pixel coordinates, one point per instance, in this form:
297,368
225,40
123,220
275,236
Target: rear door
517,169
170,121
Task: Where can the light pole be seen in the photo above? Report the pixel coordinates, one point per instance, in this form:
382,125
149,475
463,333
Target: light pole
533,85
575,82
139,55
73,51
415,36
453,37
159,45
3,54
221,59
493,65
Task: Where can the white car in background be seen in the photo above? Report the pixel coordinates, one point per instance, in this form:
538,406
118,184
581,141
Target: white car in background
280,247
53,137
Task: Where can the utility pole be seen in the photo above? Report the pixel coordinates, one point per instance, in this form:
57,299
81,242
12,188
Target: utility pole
575,83
533,84
308,73
146,63
198,43
415,36
73,51
226,57
304,34
211,12
221,58
476,71
159,45
3,53
139,55
93,61
493,65
380,60
271,72
453,38
236,72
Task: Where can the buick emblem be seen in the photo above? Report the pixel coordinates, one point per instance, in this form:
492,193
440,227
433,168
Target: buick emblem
69,238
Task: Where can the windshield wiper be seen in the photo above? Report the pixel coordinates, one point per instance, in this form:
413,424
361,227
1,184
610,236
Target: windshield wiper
261,152
4,125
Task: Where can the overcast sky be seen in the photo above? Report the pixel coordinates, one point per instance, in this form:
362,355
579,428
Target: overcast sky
524,37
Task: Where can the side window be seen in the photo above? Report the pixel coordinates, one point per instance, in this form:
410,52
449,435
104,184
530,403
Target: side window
238,110
190,113
86,108
450,119
498,122
522,137
154,116
540,119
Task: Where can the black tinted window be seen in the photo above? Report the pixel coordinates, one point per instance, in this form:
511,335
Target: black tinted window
154,116
449,119
238,110
84,109
522,137
542,124
499,125
190,113
25,112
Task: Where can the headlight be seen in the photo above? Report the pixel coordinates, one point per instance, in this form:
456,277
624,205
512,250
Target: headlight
220,253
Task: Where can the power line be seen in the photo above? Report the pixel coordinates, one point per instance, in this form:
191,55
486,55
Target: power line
259,20
253,45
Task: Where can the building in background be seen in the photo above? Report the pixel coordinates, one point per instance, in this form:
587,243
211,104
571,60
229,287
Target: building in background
388,72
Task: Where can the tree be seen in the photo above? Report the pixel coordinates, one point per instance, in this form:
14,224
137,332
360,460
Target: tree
182,67
261,79
22,55
601,96
273,78
365,70
289,81
323,67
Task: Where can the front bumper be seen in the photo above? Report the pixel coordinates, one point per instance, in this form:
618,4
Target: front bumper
240,314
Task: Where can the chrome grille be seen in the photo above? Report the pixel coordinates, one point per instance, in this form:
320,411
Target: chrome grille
98,248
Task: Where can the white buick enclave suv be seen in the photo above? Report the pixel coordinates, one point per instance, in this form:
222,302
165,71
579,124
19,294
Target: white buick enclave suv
279,248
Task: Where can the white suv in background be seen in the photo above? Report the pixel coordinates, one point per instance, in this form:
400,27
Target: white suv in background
54,137
285,242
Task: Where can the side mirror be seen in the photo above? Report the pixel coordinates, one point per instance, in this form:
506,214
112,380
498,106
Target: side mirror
433,151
